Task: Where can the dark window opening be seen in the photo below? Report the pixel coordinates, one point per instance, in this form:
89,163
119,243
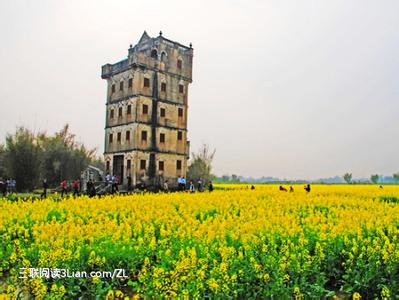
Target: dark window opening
180,112
144,135
142,164
107,167
130,82
146,82
162,112
179,135
111,114
129,109
145,109
128,164
178,164
128,135
118,138
162,138
121,86
179,64
160,166
113,88
120,112
163,87
111,138
154,54
181,88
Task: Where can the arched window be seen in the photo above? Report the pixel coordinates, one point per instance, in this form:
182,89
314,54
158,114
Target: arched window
154,53
163,56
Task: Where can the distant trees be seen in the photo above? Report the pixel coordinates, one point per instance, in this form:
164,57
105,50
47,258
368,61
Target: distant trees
22,158
374,178
348,177
396,177
29,157
201,164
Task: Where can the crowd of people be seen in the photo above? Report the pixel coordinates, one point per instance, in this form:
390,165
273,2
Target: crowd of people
190,186
8,186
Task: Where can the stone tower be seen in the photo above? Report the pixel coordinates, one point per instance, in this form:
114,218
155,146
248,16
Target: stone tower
146,111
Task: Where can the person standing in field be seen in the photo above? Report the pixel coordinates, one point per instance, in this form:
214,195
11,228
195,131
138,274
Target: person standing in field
191,187
210,186
165,186
63,187
183,183
199,185
307,188
76,188
45,187
291,189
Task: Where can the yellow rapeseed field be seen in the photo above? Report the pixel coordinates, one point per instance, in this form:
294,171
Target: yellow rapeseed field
336,241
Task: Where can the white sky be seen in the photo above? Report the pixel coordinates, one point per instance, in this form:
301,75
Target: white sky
292,89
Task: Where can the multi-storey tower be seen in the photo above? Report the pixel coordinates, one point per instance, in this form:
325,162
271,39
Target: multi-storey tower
146,111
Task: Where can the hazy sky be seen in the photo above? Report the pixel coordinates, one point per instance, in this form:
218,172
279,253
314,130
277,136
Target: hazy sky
293,89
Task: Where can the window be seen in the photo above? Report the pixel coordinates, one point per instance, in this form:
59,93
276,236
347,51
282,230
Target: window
154,54
128,135
130,82
113,88
162,137
144,135
145,109
180,112
129,109
111,138
120,112
146,82
142,164
121,86
160,166
107,167
128,164
163,87
111,114
179,135
178,164
162,112
118,137
179,64
181,88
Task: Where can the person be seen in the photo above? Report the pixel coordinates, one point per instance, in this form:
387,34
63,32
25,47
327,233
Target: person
252,187
63,187
90,188
179,183
282,188
129,183
165,186
191,187
199,185
210,186
307,188
183,183
291,189
45,187
76,188
107,177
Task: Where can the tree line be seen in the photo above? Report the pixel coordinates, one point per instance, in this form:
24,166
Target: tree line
30,157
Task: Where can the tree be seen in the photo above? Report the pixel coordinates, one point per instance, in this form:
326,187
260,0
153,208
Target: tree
23,158
235,178
201,164
374,178
63,157
2,161
396,177
348,177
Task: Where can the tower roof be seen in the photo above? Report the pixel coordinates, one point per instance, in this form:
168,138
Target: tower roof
144,37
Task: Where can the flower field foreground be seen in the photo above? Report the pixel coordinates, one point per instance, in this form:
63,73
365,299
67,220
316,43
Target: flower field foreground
336,241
